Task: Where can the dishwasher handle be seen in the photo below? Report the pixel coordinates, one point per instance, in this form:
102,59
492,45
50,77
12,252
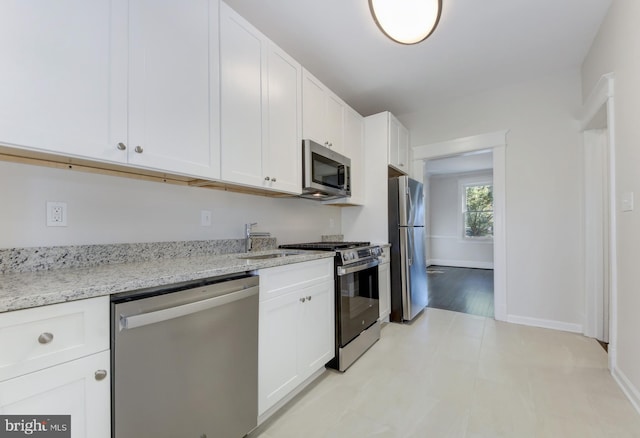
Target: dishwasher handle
143,319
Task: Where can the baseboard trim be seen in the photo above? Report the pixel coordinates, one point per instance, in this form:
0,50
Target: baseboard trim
460,263
286,399
627,387
545,323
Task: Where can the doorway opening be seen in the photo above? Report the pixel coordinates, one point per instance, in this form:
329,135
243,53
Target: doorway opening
496,143
598,128
460,226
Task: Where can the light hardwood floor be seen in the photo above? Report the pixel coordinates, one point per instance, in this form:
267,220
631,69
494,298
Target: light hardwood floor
451,374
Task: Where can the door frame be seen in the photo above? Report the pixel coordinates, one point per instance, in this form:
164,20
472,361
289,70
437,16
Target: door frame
497,143
597,113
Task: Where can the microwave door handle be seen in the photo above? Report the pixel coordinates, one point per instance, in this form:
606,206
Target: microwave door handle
341,170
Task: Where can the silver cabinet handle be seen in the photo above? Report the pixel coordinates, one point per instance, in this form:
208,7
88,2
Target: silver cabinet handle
122,146
273,180
308,298
139,149
100,375
303,299
45,338
266,178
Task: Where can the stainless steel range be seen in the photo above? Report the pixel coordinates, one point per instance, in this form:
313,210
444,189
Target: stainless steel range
357,303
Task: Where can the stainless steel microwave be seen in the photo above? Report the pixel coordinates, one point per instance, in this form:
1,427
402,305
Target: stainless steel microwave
326,174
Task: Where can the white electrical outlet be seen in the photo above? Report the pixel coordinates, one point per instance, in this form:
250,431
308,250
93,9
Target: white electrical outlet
205,218
56,214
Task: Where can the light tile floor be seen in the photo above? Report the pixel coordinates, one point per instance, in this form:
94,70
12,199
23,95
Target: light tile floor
455,375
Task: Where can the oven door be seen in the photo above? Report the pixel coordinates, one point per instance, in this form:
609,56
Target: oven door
358,304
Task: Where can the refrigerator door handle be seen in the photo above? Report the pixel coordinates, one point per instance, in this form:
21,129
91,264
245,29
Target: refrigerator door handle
410,247
410,212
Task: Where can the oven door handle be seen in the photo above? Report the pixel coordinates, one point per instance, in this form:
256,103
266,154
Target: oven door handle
351,269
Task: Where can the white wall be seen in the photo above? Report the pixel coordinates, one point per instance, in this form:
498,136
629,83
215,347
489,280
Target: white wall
615,49
107,209
446,245
543,188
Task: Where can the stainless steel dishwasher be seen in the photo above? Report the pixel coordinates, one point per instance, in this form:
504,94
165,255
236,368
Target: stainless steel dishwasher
185,360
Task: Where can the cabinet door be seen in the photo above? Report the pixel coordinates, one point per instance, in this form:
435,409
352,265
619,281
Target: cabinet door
403,149
70,388
384,280
282,162
63,81
278,371
313,109
317,341
334,122
394,145
174,86
354,149
242,110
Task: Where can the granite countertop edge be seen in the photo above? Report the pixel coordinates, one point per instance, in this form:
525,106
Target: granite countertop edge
35,289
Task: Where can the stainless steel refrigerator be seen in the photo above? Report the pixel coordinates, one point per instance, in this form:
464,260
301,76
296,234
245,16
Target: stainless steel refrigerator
407,238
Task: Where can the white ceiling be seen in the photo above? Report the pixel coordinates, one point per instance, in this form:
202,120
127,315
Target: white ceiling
478,45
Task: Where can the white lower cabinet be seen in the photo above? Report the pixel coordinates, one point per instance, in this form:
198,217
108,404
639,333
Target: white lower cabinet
80,388
296,334
55,360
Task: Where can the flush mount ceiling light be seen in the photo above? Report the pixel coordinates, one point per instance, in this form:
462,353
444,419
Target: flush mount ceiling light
406,21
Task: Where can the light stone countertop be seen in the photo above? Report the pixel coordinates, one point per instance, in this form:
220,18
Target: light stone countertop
33,289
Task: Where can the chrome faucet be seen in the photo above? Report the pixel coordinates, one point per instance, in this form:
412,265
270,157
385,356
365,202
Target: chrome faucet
248,234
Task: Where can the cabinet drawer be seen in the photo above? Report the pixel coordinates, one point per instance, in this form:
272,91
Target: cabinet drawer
284,279
33,339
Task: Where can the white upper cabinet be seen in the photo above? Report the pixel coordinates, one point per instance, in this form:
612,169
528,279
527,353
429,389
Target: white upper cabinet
282,153
398,153
322,114
174,86
113,80
260,108
241,99
63,83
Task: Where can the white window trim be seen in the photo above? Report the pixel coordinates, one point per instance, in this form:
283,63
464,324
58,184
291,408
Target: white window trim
462,183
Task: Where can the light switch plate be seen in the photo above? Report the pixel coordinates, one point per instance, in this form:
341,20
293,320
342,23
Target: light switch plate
626,201
205,218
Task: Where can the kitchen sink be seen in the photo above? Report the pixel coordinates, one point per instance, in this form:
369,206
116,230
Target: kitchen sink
270,256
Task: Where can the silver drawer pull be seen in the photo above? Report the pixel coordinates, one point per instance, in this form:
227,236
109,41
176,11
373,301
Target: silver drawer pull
122,146
139,149
45,338
303,299
100,375
308,298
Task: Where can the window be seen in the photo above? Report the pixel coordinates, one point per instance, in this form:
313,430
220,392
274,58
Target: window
477,210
